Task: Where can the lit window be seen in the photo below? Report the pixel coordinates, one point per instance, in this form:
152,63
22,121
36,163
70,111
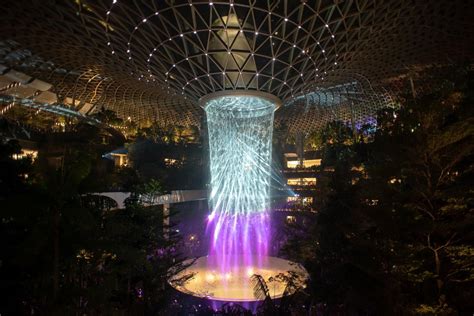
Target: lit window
292,164
120,160
170,161
299,200
290,219
26,153
311,163
302,181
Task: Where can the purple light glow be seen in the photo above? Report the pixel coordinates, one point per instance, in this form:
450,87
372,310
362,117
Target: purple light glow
239,240
240,142
239,226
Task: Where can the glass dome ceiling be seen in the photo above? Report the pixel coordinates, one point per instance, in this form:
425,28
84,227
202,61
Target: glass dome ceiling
153,60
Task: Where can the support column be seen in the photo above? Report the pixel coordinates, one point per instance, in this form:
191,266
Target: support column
166,221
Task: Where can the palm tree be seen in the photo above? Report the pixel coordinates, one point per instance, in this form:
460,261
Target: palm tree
294,286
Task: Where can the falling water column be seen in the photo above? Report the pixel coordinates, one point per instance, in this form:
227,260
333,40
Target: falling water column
240,142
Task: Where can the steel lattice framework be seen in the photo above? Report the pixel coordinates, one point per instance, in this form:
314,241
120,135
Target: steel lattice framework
153,60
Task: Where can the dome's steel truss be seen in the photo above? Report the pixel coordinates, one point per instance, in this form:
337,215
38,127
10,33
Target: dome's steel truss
153,60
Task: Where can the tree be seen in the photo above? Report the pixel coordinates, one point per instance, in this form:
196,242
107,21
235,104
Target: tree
177,166
340,245
293,292
66,252
129,269
394,228
421,169
13,172
17,219
107,117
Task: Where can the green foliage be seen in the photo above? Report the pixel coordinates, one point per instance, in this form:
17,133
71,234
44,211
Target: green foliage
13,172
177,166
170,134
395,222
64,252
293,292
108,117
428,148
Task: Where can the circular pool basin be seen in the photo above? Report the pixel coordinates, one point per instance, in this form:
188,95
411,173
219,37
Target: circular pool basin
235,283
